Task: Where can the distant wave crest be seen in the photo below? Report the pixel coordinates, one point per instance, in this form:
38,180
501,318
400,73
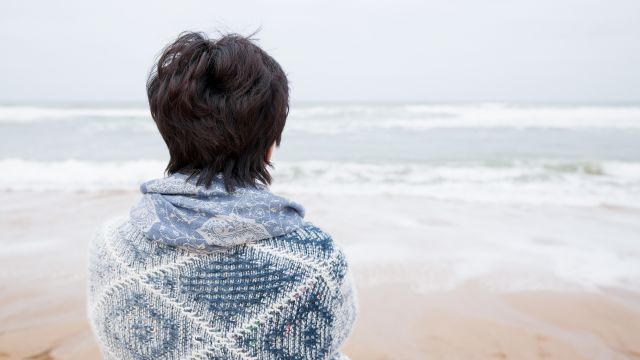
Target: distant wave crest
30,114
330,119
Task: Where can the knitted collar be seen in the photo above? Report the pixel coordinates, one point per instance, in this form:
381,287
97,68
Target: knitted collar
175,211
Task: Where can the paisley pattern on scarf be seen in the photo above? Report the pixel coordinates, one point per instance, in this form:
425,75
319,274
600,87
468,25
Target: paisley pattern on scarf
175,211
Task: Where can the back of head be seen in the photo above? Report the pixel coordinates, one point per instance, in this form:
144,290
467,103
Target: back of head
219,104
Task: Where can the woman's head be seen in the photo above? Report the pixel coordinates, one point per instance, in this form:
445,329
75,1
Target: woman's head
220,104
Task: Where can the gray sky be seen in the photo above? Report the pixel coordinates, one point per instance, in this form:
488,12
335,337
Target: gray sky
361,50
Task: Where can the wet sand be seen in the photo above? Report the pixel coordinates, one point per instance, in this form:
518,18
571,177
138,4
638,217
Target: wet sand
471,323
409,309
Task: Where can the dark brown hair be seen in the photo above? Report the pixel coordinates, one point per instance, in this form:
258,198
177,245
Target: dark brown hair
219,105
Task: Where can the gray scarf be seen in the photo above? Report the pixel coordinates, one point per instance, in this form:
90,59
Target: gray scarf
177,212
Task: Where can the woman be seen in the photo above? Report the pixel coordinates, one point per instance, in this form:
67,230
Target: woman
210,264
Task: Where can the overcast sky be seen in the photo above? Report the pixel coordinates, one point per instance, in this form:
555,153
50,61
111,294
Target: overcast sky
365,50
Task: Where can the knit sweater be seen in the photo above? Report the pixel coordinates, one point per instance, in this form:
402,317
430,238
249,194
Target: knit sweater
288,296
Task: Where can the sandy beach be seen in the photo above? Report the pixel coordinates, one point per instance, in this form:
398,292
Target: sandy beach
410,307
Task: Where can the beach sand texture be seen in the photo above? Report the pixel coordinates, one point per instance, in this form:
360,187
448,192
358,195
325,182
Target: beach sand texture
421,294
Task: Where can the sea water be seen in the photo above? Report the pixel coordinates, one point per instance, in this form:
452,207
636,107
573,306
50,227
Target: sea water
575,155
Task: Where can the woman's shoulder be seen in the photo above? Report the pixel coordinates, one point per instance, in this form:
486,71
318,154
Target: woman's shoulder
116,232
312,248
106,230
112,225
309,239
122,240
309,233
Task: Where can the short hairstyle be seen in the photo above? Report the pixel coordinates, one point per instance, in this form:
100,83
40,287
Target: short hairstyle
219,105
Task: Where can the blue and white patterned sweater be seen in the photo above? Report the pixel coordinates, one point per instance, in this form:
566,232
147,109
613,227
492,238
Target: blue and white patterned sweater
288,296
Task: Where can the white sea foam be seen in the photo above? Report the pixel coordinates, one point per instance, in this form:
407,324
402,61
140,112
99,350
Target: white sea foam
540,182
550,182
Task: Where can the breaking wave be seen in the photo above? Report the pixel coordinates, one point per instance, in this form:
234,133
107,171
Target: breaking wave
531,182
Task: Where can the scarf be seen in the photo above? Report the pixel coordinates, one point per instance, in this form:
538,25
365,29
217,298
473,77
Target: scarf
177,212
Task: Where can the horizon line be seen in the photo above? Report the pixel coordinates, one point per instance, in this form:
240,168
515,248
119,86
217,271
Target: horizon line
139,104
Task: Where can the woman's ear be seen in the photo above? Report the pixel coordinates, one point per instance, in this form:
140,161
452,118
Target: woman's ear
267,156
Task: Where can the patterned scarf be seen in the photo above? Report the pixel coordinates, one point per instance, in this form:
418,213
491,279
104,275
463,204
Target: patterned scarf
180,213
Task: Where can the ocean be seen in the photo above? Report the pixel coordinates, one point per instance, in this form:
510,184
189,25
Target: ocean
504,153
